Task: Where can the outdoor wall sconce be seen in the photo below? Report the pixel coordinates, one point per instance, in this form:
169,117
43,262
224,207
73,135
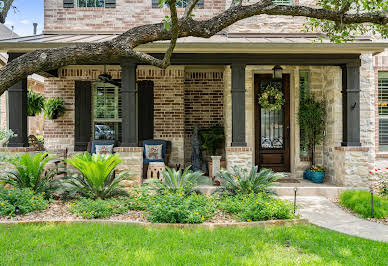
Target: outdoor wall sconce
277,72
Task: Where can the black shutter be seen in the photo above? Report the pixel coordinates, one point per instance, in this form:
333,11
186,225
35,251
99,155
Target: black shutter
110,3
83,115
146,109
155,3
68,3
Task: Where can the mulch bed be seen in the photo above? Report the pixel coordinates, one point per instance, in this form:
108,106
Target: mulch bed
58,212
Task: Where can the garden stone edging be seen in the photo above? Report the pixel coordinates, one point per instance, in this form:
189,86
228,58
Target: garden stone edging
166,225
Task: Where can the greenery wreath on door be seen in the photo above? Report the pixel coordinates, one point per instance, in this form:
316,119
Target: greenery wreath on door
271,99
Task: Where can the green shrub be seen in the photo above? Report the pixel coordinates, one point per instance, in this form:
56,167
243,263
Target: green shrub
242,181
179,208
138,198
97,178
92,209
22,199
256,207
30,173
176,181
359,201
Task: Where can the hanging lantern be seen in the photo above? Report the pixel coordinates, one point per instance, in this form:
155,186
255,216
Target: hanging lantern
277,72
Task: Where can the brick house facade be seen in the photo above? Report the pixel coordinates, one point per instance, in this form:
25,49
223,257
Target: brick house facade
212,77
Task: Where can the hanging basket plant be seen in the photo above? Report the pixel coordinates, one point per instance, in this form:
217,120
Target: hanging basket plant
271,99
35,103
54,108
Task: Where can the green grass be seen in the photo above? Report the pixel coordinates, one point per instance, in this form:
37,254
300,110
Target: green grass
98,244
359,201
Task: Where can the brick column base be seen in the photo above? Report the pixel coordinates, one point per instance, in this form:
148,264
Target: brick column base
239,156
133,161
351,166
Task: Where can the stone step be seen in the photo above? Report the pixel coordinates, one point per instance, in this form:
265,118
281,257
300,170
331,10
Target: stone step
303,189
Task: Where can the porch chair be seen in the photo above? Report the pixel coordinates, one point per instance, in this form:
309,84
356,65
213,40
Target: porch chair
165,153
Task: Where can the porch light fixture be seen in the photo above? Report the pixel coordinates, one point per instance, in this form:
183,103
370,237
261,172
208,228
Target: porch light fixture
277,72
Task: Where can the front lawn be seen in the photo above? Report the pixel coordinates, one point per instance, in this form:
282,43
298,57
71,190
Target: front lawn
97,244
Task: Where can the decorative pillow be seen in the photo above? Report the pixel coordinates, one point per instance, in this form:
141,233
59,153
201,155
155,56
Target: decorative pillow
153,152
104,149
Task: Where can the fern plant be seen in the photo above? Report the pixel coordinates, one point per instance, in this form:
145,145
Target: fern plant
97,178
54,108
35,103
244,181
178,180
30,172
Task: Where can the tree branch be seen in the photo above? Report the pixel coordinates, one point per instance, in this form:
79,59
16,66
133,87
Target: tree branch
123,45
174,33
7,4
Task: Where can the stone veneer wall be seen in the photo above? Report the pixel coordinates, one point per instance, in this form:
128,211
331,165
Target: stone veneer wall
239,156
204,102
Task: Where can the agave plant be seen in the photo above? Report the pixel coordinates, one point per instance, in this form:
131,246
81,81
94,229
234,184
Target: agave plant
97,178
176,180
30,172
242,181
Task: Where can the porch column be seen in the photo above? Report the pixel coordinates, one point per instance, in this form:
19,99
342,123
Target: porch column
351,105
129,105
238,106
17,112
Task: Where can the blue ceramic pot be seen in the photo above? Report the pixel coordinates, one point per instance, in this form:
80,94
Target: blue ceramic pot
307,174
317,177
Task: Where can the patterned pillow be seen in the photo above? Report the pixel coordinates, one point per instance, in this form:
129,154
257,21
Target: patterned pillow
153,152
104,149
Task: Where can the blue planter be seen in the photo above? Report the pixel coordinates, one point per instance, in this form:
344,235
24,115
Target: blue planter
317,177
307,174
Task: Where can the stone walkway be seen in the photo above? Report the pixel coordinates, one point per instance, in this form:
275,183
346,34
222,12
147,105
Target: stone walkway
322,212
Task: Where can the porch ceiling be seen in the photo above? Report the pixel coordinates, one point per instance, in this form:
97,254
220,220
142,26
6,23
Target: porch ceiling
222,43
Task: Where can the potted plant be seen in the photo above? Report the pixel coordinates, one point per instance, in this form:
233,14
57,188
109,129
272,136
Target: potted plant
35,103
213,139
54,108
312,121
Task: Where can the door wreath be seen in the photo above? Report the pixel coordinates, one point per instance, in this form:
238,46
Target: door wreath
271,99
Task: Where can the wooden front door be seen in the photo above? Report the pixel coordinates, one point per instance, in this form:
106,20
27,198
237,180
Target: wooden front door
272,128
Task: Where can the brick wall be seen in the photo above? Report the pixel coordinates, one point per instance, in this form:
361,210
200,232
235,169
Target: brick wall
59,133
131,13
204,102
127,14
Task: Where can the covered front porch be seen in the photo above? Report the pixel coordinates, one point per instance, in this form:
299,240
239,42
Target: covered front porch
208,90
214,82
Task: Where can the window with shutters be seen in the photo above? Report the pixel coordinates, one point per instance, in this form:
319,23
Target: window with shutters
283,2
383,110
304,91
107,117
179,4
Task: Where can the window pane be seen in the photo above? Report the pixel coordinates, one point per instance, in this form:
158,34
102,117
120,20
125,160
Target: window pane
100,3
81,3
106,111
304,91
383,110
91,3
